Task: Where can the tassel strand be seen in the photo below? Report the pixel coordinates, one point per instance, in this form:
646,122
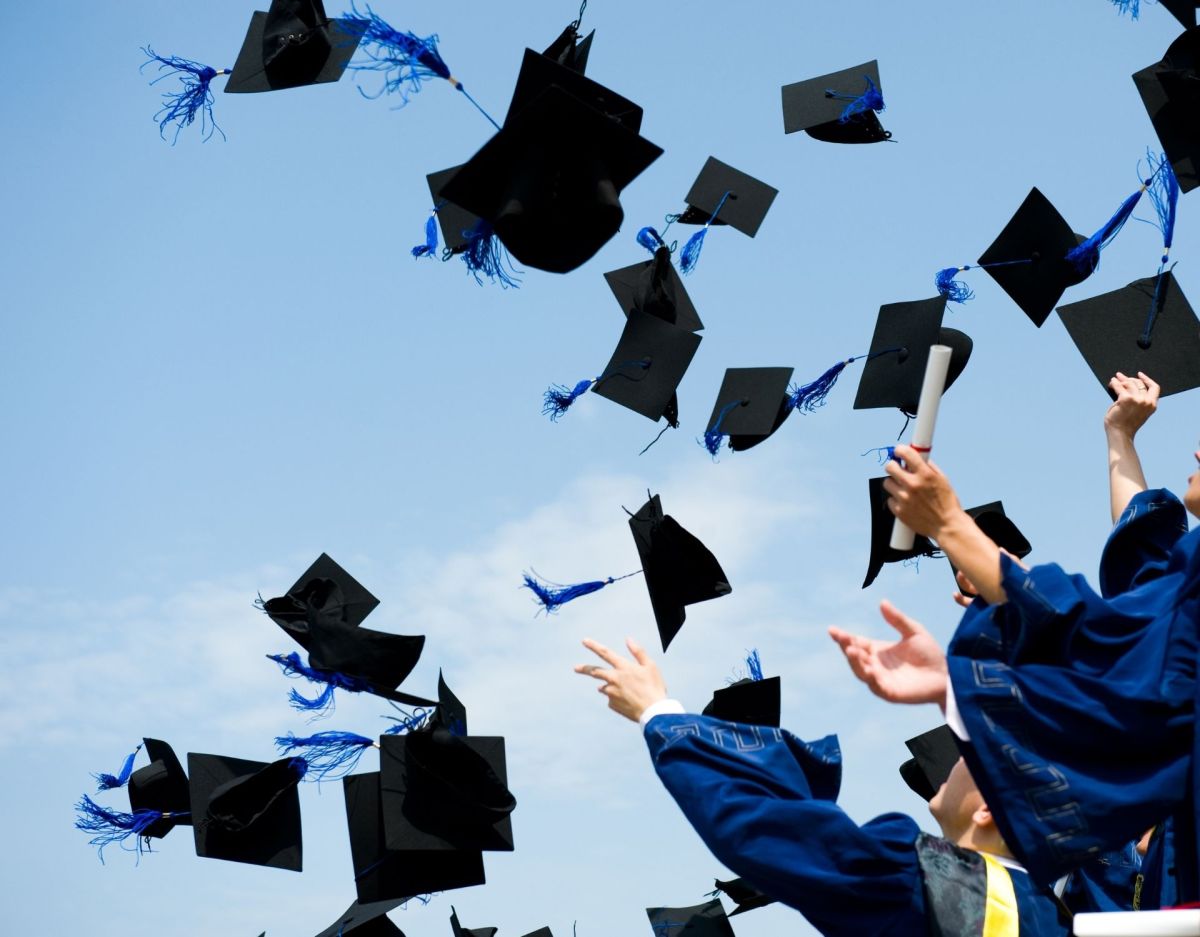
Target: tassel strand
195,98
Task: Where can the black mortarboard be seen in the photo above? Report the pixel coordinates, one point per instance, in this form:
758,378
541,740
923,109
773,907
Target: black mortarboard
1170,92
365,920
454,222
882,522
294,43
837,108
1182,10
540,72
451,713
381,874
743,894
934,754
679,569
655,288
702,920
1110,330
569,51
246,811
742,199
540,932
751,405
380,659
647,365
1029,257
460,931
895,369
442,791
750,702
324,592
991,519
161,785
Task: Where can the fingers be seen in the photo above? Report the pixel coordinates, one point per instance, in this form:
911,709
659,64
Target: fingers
1151,386
638,652
591,670
898,620
610,657
962,600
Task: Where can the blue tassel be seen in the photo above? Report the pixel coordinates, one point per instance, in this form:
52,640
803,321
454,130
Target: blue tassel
884,454
552,596
115,826
484,254
410,723
869,100
690,256
954,290
181,107
405,60
110,782
650,239
754,663
1086,257
323,704
1132,7
429,248
558,399
328,755
714,435
812,395
1164,194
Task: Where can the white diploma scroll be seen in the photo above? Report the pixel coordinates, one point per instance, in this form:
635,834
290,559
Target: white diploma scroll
1137,923
922,438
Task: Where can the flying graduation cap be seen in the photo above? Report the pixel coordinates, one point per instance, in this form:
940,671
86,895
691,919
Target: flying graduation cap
367,919
460,931
838,108
741,893
934,754
1170,92
678,568
751,700
882,522
549,181
702,920
1182,10
991,519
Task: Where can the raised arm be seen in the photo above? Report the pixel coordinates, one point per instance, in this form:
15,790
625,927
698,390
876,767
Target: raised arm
1137,399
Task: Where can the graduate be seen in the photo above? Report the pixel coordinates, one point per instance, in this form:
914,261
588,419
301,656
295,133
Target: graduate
764,802
1078,706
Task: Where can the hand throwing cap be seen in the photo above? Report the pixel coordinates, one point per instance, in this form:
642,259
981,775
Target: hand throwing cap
1147,326
837,108
895,369
381,874
294,43
678,568
247,811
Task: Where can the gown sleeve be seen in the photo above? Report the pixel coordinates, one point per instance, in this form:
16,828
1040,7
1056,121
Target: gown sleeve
763,802
1139,548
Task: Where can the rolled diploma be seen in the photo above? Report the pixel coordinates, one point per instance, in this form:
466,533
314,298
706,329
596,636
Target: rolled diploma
922,437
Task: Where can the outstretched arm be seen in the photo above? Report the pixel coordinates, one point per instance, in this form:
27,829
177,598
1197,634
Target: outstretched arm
1137,399
909,670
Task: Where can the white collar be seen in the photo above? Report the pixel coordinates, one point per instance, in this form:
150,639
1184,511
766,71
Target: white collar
1007,861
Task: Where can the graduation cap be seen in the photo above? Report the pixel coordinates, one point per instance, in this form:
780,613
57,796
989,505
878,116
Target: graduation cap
752,700
1147,326
895,368
722,195
444,792
570,50
882,522
549,181
654,287
679,569
645,369
367,919
247,811
837,108
161,786
934,754
991,519
293,44
702,920
1182,10
324,593
751,405
1170,92
460,931
743,894
459,227
382,874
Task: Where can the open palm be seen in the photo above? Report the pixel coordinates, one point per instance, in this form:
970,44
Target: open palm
909,670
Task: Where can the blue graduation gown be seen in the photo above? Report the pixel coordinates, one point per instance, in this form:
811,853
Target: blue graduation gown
1110,882
1081,708
763,801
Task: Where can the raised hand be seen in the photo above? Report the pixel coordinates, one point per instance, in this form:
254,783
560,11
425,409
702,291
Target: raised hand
1137,399
909,670
630,685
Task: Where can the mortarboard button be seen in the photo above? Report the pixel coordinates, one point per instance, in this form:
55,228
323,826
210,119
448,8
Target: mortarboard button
837,108
162,786
246,811
895,368
678,568
293,44
649,362
751,405
702,920
934,755
882,522
324,592
381,874
655,288
1147,326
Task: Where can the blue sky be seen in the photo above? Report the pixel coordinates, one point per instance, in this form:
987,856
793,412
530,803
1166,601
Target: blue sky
222,361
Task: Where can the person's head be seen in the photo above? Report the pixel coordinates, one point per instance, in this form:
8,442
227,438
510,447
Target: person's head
960,810
1191,497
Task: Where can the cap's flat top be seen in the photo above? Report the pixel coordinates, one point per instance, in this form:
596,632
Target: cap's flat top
454,222
904,333
1107,328
748,200
251,74
539,73
702,920
808,104
649,362
757,394
654,287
